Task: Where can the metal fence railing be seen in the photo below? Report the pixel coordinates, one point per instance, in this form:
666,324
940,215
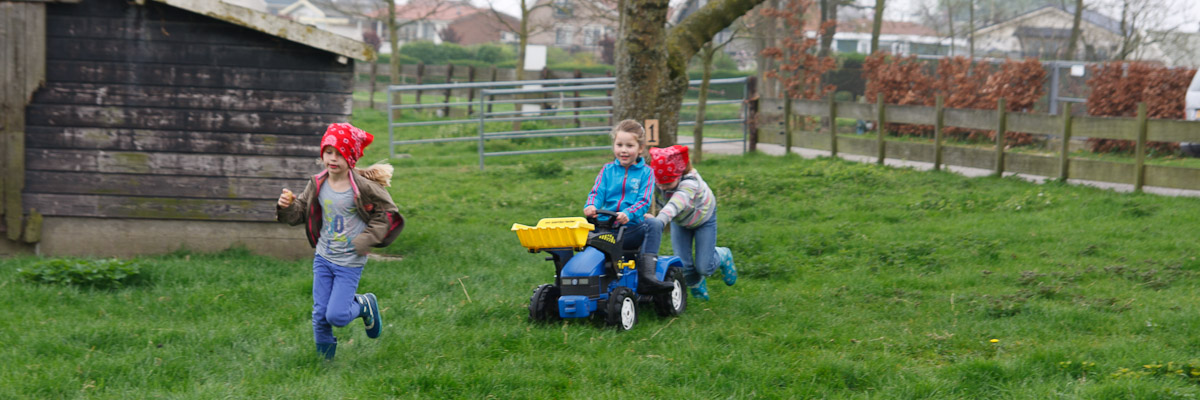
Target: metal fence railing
579,107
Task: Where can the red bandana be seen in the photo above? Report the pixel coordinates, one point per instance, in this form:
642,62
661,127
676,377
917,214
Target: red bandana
669,163
348,140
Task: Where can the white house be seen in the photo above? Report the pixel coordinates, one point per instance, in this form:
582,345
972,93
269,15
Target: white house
1044,33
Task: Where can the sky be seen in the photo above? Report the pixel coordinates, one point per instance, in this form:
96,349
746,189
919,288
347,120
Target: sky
1189,14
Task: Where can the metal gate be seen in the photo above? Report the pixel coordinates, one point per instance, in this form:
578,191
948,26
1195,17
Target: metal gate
587,102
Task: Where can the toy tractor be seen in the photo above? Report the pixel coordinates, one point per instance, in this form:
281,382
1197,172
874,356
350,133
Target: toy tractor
594,274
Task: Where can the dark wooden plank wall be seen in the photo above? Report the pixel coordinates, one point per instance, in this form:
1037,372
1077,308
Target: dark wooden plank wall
155,112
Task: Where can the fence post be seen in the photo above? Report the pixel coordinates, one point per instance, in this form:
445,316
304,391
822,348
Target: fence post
939,125
880,121
391,120
787,124
470,92
495,74
420,78
482,115
1140,171
752,112
546,75
394,98
449,78
578,123
833,150
1001,129
611,106
1064,159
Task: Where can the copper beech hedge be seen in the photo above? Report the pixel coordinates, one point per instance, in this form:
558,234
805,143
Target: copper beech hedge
1117,88
907,81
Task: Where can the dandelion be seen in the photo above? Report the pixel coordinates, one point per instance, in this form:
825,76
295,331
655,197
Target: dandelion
995,340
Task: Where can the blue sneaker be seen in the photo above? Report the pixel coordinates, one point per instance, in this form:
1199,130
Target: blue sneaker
728,270
700,291
370,314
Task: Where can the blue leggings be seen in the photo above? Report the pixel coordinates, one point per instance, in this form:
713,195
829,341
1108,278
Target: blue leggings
333,298
704,263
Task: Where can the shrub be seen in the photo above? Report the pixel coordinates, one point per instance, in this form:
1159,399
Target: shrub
100,274
1118,87
905,80
429,53
493,53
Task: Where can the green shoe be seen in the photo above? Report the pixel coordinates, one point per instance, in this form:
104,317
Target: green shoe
728,270
700,291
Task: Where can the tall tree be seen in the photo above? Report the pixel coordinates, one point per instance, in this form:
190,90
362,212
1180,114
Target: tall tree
707,53
524,29
876,26
950,23
799,71
971,29
829,17
652,62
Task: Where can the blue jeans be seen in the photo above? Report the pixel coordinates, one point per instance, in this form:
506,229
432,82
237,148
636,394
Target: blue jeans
647,234
333,298
705,261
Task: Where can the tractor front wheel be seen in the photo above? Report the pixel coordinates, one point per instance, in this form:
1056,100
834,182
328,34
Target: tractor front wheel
672,303
543,306
622,309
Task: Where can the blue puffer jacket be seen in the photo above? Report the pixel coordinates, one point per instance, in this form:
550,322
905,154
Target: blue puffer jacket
621,189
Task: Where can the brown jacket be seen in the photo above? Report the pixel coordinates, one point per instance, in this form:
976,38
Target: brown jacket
373,203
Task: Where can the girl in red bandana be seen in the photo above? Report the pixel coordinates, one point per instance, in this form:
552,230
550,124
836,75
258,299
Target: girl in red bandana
345,211
686,201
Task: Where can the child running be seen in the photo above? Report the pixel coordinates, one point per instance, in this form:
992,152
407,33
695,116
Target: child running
624,186
686,201
345,212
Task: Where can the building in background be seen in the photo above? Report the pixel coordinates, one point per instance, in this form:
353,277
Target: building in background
574,25
1044,33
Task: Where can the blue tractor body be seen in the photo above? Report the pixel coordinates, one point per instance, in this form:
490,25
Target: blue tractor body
601,277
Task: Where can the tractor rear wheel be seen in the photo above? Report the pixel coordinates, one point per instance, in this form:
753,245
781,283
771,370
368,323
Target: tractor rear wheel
622,309
672,303
543,306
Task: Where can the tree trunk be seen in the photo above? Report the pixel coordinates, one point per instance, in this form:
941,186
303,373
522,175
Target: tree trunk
643,79
524,42
764,37
950,23
971,29
828,13
876,26
1073,42
1125,33
698,134
652,72
394,59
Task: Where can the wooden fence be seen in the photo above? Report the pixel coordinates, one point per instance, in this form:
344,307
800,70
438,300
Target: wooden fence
1139,130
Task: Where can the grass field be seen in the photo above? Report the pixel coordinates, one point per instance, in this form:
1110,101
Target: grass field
857,281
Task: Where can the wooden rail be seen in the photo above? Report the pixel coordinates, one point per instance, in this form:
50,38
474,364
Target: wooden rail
1139,129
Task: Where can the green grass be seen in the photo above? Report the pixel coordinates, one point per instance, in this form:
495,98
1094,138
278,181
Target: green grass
857,281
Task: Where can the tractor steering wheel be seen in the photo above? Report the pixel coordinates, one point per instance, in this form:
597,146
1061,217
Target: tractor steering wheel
609,224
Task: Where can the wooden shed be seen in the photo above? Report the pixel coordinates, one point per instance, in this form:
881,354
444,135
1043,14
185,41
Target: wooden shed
141,127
